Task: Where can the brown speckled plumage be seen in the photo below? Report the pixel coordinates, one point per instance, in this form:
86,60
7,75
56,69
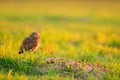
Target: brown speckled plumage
30,43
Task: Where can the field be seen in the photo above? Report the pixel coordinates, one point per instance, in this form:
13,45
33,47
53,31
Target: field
74,30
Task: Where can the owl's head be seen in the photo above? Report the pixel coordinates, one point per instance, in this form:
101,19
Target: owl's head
35,35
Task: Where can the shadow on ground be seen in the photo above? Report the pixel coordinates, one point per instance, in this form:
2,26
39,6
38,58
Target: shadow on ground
18,66
52,66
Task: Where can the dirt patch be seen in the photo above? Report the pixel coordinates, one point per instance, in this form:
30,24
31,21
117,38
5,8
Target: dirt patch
71,67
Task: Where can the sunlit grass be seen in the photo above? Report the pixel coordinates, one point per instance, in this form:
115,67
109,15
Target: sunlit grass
80,31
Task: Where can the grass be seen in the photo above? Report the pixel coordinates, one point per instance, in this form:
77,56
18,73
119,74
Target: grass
81,31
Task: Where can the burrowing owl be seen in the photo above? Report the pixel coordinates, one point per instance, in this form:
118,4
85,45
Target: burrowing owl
30,43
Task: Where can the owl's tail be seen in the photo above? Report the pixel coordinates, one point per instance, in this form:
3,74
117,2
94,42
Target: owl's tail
20,52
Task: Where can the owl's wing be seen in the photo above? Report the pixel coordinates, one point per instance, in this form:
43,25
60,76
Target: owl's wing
27,43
